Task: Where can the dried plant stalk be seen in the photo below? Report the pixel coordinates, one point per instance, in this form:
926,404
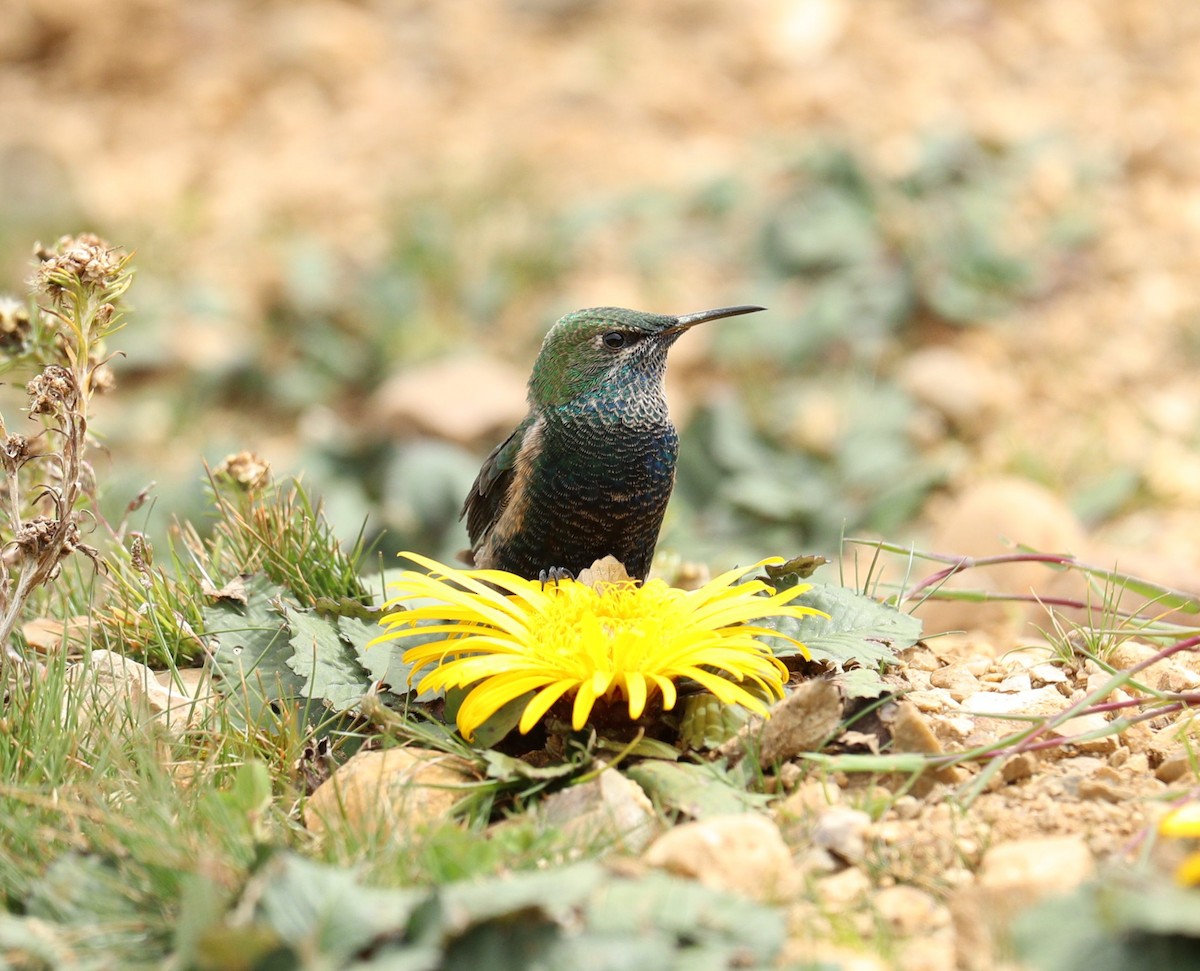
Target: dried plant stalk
78,284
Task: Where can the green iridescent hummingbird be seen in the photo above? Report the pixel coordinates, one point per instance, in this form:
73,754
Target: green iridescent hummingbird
589,471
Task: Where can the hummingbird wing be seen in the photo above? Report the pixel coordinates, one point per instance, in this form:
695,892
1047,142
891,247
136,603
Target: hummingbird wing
489,493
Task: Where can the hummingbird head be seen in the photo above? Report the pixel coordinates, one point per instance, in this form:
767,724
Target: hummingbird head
610,346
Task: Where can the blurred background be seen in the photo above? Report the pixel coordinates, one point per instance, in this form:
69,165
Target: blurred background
976,224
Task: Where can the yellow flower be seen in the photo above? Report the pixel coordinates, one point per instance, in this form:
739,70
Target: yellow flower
1184,822
509,636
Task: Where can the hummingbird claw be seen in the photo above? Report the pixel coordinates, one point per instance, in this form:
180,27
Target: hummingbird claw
554,575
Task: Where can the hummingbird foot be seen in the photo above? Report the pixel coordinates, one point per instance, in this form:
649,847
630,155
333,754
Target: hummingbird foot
554,575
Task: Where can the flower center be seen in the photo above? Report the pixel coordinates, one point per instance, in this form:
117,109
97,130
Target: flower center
615,628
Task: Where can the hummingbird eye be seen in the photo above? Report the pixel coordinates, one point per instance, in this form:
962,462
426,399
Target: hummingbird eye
614,339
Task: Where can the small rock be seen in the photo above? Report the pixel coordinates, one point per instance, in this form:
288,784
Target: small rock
908,911
107,685
1047,673
194,682
799,723
816,860
1104,790
1131,653
1172,677
814,796
953,728
1135,764
912,733
1019,766
1037,866
610,809
1097,681
918,659
1037,701
1174,766
789,775
844,889
1016,682
933,701
395,789
842,831
956,679
1075,769
1163,742
1081,725
743,853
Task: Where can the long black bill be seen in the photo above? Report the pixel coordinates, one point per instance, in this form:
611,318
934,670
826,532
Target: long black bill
691,320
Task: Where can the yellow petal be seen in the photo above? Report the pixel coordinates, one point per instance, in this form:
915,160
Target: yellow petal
1188,872
667,687
635,688
584,700
488,698
1183,821
540,704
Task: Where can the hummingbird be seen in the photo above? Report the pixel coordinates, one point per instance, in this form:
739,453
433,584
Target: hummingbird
588,472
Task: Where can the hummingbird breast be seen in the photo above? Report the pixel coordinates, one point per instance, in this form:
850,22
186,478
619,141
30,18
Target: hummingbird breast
594,482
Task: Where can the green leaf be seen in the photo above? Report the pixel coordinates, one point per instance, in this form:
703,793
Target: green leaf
325,910
857,628
502,721
1160,909
405,957
575,916
553,894
240,806
251,789
728,930
30,942
250,649
698,790
862,683
382,660
346,607
326,663
648,748
83,891
707,721
199,923
1102,927
507,769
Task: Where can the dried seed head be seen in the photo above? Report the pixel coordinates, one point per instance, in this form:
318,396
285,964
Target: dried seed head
35,536
244,469
51,391
141,553
84,259
14,452
15,326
